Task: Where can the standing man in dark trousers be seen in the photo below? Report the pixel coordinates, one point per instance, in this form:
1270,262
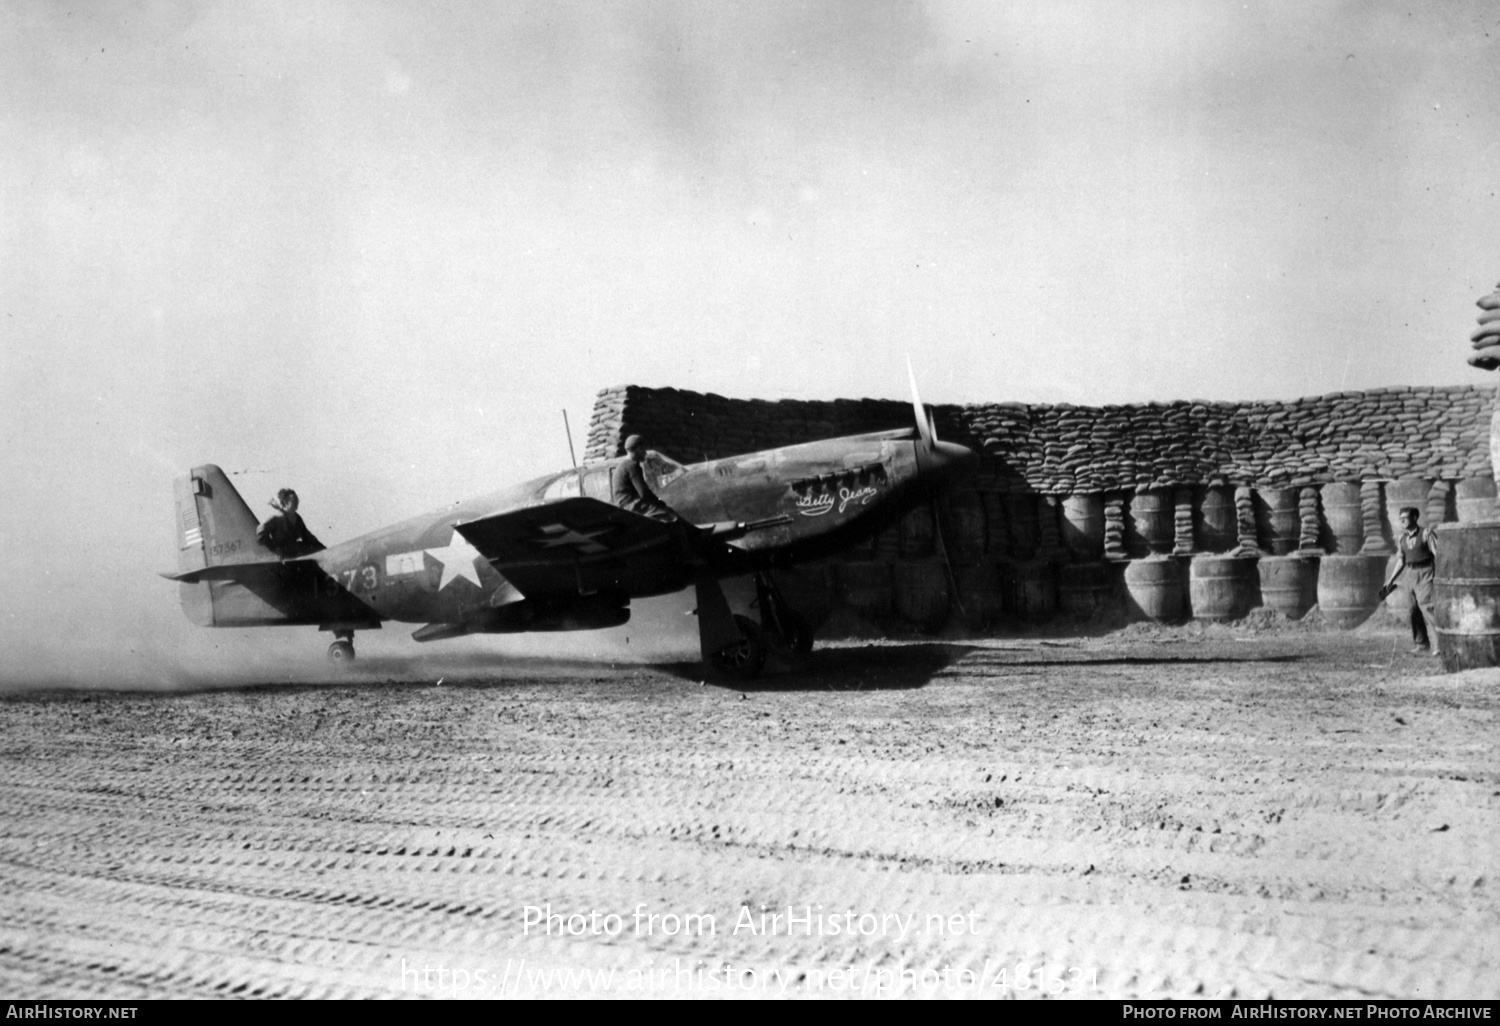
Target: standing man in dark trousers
1418,548
628,487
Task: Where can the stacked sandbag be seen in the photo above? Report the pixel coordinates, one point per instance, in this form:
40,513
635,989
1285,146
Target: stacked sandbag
1441,508
1244,509
1438,432
1307,509
1182,522
1376,542
1114,526
1486,337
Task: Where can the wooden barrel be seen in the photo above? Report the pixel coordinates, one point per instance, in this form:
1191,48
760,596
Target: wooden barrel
1085,590
866,588
1277,519
1021,524
997,534
1288,584
1222,587
919,594
1466,596
1083,525
1476,500
1153,588
1349,588
809,590
915,533
1029,590
1344,515
1218,528
1151,526
966,525
981,594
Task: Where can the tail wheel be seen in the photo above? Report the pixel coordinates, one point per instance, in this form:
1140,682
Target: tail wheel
341,653
743,659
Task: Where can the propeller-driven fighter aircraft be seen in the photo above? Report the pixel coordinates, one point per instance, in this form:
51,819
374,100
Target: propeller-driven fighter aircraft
554,554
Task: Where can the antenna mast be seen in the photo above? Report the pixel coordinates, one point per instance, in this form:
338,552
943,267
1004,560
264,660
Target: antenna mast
569,430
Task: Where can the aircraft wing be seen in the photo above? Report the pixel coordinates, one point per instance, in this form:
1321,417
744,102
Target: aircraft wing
581,546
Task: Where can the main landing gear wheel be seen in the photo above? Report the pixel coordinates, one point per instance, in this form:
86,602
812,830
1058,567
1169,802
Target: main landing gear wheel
341,653
742,660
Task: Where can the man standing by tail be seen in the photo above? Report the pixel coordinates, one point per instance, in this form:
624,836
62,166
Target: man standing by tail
1418,548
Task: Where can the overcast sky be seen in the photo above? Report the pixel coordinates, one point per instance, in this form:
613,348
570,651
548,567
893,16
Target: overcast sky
372,251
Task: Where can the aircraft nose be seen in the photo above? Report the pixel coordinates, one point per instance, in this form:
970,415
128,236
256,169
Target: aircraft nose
944,459
954,456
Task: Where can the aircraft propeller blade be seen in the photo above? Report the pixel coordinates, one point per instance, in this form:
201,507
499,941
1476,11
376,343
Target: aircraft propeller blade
926,427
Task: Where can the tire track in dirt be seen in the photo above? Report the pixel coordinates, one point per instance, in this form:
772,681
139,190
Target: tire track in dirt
1173,829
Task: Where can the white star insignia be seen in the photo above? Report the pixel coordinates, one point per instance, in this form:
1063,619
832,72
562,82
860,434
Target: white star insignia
457,558
560,534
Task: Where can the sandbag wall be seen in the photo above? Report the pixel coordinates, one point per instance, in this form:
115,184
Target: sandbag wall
1161,510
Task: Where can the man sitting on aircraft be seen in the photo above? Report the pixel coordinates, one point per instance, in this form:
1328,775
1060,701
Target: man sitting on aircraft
628,487
286,534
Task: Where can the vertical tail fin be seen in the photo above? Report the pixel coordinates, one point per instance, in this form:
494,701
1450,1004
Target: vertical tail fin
214,527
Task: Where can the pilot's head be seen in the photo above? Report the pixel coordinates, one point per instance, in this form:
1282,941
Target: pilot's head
286,501
635,448
1409,516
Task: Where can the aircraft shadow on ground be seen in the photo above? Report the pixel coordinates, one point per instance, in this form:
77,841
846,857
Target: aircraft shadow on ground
909,666
873,667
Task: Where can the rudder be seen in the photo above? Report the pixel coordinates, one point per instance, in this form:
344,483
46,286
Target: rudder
214,527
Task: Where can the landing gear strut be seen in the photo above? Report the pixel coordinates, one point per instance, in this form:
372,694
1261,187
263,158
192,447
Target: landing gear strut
341,652
784,627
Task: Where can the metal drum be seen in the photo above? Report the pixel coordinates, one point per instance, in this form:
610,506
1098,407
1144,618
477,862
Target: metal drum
1476,500
915,533
1152,523
1222,587
1030,589
1344,514
1288,584
1466,595
980,595
1083,525
919,592
966,531
1153,588
866,588
1085,590
1280,524
1349,588
1218,526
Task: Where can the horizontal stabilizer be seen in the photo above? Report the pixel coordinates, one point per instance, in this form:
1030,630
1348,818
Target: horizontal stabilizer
262,570
270,591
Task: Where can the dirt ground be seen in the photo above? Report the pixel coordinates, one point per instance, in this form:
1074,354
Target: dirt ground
1214,812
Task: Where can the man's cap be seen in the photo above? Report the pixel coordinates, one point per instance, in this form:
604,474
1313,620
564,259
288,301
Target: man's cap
632,442
1412,510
